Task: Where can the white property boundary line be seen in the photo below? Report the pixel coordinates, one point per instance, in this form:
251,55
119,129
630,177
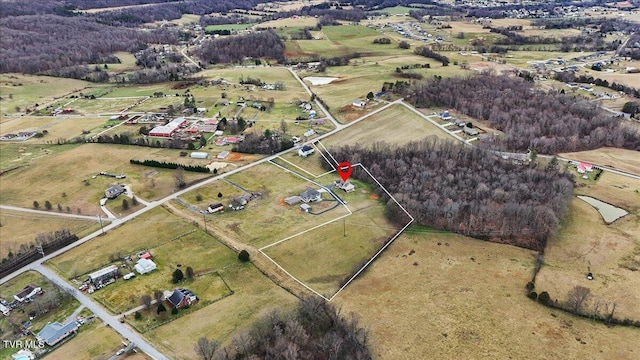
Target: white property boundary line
331,221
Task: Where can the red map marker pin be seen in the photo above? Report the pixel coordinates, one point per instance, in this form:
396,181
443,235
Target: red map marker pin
344,169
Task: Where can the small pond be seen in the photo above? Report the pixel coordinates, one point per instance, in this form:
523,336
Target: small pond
609,212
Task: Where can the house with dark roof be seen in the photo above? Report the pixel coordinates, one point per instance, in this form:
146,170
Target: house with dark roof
54,332
114,190
28,292
238,203
181,297
305,151
310,195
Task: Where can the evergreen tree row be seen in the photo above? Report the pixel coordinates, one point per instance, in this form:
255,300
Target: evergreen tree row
170,165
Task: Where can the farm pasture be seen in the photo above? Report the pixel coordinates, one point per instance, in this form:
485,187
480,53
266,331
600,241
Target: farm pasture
586,243
56,172
395,125
445,296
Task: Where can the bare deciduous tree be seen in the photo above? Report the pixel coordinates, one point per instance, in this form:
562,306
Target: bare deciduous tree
145,300
206,349
577,297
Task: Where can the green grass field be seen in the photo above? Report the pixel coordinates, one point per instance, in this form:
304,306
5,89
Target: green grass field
56,172
325,257
395,125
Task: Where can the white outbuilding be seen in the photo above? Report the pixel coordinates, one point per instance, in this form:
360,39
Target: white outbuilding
145,266
199,155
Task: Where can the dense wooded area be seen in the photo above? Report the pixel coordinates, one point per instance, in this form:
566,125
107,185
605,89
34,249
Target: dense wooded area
548,122
314,330
36,43
467,190
232,49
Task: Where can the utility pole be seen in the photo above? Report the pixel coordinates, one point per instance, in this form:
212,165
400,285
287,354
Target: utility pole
204,219
101,227
344,227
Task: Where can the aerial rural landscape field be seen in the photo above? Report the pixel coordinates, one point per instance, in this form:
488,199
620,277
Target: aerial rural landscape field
294,179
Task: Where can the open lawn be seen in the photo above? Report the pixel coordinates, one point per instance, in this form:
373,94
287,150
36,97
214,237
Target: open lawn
197,250
94,341
267,219
24,91
254,295
325,258
310,166
20,228
395,125
619,159
52,173
444,296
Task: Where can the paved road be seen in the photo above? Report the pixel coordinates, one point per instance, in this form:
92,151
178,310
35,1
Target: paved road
52,213
338,125
103,314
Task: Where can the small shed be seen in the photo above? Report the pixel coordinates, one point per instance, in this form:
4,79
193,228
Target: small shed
305,207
